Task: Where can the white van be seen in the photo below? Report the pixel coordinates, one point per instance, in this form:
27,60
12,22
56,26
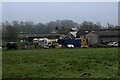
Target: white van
113,44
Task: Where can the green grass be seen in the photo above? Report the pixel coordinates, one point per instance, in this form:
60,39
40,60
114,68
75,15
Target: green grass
61,63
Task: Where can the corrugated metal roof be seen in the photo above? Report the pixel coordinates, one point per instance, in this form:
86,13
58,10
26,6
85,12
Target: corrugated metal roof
101,32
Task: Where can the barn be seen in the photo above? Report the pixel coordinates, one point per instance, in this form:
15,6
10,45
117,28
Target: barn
101,35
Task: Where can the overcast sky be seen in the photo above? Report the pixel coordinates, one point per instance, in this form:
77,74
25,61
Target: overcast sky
105,12
59,0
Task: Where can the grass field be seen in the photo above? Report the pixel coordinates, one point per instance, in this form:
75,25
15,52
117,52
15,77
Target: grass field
61,63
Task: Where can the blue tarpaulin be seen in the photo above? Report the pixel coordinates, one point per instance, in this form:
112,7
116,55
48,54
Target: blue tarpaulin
66,42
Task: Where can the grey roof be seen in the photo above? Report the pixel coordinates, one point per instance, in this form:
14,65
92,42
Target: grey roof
91,34
101,32
108,33
81,32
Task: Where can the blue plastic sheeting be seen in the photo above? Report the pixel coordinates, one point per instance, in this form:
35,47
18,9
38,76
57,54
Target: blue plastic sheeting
66,42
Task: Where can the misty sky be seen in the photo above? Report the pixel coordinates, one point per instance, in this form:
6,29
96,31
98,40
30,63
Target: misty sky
105,12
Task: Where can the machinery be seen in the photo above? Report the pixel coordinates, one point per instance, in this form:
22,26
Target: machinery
44,42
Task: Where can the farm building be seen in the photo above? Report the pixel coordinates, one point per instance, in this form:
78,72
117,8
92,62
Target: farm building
104,35
30,37
108,35
72,33
92,38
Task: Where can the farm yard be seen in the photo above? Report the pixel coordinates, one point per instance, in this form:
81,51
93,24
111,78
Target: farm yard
60,40
60,63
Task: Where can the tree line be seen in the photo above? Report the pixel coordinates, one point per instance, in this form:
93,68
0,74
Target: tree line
11,30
